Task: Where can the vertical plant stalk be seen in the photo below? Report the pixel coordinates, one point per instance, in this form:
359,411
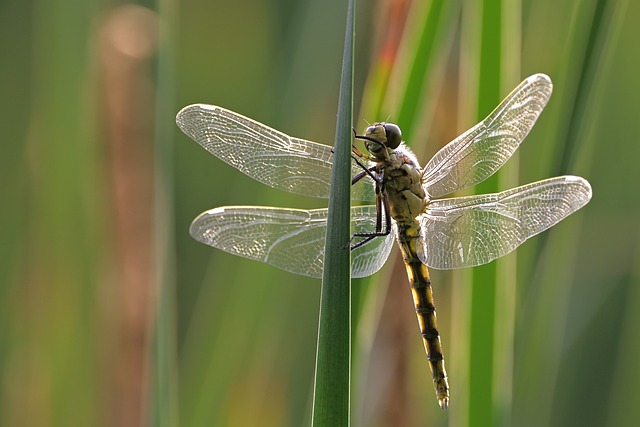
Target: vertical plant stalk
491,286
333,357
128,125
163,410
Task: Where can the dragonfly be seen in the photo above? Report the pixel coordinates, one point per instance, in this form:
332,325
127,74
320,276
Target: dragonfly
433,231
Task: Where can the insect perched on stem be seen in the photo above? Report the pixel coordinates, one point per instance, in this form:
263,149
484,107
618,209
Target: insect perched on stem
432,231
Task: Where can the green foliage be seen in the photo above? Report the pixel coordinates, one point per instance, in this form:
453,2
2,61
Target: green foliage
96,259
333,358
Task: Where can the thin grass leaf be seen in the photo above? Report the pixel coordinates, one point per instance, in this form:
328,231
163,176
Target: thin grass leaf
490,326
333,359
436,25
163,391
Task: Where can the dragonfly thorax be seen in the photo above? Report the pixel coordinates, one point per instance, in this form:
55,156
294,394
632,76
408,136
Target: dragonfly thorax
402,178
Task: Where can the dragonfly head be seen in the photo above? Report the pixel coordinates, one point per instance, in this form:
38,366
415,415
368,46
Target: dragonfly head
381,136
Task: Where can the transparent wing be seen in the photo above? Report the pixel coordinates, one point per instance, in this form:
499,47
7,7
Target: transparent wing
479,152
290,239
265,154
469,231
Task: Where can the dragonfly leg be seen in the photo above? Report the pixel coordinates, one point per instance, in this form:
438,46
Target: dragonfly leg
364,137
364,173
381,203
357,156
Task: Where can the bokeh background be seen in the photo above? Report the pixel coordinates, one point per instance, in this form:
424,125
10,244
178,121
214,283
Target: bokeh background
111,315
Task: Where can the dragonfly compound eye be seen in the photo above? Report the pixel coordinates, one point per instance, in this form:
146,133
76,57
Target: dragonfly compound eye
394,135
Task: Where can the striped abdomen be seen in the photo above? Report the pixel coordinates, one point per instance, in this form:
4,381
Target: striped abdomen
425,308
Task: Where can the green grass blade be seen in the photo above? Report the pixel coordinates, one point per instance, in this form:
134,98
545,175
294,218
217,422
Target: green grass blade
333,359
162,376
483,279
423,60
490,328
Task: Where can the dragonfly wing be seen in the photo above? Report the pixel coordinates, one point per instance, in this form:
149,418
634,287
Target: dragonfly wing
263,153
469,231
479,152
290,239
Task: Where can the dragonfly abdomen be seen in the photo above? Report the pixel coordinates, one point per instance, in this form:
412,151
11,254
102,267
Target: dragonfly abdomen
425,308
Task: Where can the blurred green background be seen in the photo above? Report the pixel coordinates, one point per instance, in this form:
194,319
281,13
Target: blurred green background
111,315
